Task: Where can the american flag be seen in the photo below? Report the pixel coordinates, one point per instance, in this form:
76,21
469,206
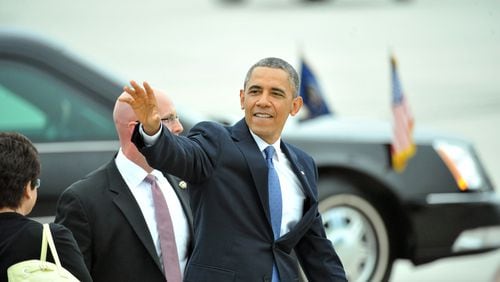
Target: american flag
402,147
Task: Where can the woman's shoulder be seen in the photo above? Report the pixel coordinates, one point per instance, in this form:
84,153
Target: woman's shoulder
60,231
20,230
29,226
34,228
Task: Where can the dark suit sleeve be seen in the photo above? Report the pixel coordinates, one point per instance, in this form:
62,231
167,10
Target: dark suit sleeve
317,256
71,214
315,252
191,158
69,253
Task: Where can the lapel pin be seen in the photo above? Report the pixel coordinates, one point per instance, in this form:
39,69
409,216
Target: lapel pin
183,184
303,173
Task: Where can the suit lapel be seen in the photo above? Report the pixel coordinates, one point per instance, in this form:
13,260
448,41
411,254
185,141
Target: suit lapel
180,188
126,202
298,169
258,169
256,163
310,202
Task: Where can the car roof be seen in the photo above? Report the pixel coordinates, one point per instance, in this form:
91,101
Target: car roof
24,45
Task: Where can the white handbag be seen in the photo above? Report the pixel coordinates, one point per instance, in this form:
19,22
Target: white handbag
41,270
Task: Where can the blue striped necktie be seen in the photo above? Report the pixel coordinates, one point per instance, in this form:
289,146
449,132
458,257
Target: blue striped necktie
275,201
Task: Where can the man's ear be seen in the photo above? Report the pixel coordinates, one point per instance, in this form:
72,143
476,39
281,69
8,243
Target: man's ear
131,125
296,105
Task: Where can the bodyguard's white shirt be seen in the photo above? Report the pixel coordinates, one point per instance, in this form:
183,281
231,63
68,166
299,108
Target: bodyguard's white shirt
292,194
134,178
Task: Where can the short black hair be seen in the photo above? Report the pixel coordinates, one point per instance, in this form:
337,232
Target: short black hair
19,164
277,63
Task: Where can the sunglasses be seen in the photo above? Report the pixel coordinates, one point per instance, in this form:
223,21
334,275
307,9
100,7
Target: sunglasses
36,183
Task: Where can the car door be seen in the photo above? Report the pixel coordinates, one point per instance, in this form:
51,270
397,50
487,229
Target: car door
70,124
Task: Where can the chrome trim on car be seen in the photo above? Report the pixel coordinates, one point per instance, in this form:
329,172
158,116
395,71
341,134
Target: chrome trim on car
462,198
81,146
477,239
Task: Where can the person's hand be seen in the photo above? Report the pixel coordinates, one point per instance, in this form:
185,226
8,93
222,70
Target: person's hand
143,102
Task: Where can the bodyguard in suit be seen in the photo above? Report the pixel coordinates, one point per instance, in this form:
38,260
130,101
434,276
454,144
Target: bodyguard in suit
113,211
253,196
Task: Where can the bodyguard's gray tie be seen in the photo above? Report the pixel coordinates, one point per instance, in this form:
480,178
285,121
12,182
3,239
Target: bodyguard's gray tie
275,201
165,227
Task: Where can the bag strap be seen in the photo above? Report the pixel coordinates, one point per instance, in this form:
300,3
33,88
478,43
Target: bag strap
43,252
47,238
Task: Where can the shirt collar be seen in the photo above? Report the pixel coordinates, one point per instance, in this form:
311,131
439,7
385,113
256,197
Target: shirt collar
263,144
130,171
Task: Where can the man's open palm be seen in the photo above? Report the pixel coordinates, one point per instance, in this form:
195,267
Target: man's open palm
143,102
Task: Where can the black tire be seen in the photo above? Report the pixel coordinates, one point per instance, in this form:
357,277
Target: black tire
357,230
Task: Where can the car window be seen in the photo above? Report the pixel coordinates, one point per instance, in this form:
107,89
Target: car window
47,107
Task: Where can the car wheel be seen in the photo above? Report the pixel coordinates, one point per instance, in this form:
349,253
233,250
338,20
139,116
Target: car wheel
359,235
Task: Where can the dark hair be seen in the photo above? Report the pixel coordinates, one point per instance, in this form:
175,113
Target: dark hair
19,164
277,63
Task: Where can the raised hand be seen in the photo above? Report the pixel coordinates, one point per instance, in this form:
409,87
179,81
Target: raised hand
143,102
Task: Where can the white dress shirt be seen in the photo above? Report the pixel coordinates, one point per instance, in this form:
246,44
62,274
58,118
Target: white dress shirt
134,176
291,190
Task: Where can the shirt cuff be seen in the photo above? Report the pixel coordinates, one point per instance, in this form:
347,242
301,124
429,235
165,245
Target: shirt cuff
150,140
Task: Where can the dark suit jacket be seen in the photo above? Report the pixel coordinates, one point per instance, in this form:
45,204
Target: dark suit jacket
109,227
21,239
229,198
